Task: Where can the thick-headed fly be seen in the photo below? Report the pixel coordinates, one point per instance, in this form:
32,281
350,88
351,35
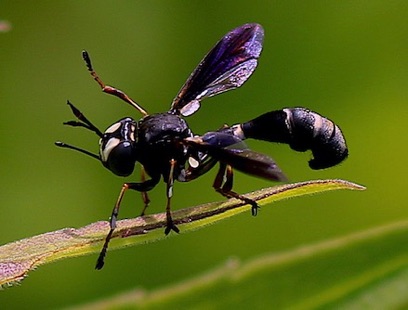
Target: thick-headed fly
166,148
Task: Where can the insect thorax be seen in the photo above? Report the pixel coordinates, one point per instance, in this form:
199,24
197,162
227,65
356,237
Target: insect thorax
160,138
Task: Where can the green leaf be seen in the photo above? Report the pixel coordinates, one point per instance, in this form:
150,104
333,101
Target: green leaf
20,257
363,270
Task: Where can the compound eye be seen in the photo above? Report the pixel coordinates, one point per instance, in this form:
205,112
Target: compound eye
117,147
119,157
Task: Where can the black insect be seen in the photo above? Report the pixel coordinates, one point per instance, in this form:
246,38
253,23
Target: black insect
166,147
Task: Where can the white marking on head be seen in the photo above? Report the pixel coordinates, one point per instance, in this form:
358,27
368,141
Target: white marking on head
110,145
132,133
113,128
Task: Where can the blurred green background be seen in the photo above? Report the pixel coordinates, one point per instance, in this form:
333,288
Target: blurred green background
345,59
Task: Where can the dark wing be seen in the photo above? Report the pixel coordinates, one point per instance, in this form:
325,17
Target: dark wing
251,162
227,66
219,146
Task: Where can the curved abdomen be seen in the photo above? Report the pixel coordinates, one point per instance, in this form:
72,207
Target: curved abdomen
303,130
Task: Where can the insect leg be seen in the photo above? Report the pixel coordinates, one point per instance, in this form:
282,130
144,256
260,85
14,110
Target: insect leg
141,187
145,196
225,187
169,192
109,89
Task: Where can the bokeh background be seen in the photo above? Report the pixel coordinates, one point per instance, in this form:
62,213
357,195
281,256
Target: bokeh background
347,60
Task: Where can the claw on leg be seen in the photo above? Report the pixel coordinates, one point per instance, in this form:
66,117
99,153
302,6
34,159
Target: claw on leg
169,193
141,187
224,187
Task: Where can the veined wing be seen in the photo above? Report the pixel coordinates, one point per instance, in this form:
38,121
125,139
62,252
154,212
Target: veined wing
227,66
233,151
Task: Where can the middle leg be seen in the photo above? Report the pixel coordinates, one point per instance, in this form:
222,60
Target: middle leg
223,184
169,193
